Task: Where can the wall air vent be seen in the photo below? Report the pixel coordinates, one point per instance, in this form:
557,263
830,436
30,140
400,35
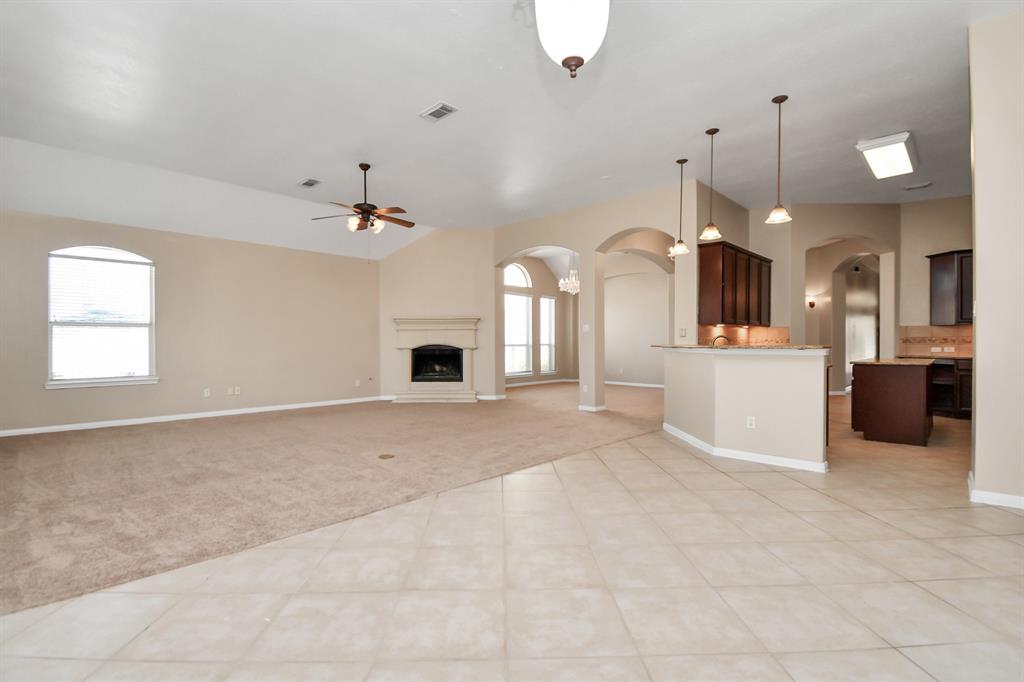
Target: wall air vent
308,182
438,111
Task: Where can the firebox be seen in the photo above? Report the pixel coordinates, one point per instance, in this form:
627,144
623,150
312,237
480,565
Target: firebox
437,363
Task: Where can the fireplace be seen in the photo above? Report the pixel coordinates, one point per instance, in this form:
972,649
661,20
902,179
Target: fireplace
436,363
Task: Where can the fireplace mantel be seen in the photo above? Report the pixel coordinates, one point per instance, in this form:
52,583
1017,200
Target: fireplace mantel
456,331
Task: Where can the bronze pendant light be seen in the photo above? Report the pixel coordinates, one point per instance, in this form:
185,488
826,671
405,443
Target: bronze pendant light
711,232
779,214
679,248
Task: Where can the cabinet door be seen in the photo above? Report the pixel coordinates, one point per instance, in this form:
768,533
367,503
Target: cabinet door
742,288
754,291
728,286
709,307
965,288
944,294
766,293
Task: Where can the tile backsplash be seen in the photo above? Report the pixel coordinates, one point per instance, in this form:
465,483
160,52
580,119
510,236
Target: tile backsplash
921,340
743,336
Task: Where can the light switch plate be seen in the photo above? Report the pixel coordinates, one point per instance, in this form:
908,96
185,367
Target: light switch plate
949,349
936,349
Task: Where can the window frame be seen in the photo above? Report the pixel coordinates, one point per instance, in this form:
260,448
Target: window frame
553,369
95,382
523,271
529,344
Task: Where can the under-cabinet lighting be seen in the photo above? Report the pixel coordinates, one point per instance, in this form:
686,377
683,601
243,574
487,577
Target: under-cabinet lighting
888,156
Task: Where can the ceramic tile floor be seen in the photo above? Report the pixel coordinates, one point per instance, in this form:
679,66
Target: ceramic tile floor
642,560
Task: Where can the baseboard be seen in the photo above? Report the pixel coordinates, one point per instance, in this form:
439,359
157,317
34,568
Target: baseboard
542,381
995,499
631,383
491,397
81,426
837,392
593,408
770,460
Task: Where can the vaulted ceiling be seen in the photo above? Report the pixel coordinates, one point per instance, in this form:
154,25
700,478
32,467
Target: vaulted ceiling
261,94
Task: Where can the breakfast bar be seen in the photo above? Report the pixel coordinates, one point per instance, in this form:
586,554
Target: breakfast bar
764,404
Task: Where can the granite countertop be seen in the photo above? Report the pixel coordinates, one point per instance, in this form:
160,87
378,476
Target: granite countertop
753,346
899,362
939,356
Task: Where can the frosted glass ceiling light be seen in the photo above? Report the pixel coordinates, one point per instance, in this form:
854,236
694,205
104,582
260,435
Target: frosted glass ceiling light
353,223
679,248
779,214
888,156
710,232
571,31
377,226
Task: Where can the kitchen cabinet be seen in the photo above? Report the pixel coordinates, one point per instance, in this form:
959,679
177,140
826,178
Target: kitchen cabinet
892,400
735,286
951,388
952,287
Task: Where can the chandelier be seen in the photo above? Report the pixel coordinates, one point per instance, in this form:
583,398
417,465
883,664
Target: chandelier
570,284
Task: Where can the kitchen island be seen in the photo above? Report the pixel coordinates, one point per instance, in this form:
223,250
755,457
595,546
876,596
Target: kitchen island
765,404
892,400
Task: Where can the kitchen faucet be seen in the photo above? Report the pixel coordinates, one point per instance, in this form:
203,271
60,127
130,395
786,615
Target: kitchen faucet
720,336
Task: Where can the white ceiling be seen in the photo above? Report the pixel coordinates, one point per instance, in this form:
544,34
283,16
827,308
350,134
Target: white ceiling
261,94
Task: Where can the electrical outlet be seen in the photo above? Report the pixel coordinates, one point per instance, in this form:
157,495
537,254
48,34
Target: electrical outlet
949,349
751,423
585,388
682,332
586,327
936,349
238,390
231,391
358,383
206,393
621,371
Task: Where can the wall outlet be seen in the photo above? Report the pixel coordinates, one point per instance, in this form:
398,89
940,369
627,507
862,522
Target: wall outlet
621,371
682,332
206,393
231,391
936,349
586,327
586,388
751,423
359,383
949,349
238,390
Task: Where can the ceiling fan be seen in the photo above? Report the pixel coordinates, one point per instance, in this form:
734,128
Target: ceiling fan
367,215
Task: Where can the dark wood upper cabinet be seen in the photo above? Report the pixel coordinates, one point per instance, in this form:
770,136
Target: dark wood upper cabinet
735,286
952,287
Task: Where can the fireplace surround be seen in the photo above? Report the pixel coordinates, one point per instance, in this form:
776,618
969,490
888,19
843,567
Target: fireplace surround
437,359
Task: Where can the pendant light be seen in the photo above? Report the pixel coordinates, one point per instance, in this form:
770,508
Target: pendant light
779,214
679,248
571,31
710,232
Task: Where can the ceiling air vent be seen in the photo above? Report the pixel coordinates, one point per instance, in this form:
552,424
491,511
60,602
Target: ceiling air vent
438,111
920,185
308,182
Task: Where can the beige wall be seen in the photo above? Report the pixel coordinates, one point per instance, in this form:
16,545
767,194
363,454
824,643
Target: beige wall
546,284
286,326
997,129
448,272
928,227
637,306
732,219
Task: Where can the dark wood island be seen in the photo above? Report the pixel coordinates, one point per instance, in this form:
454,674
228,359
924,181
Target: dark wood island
891,400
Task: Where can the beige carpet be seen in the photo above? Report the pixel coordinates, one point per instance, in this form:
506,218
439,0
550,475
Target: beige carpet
84,510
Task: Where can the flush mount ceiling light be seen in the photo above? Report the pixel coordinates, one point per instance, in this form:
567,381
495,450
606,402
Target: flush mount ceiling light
779,214
711,232
888,156
679,248
571,31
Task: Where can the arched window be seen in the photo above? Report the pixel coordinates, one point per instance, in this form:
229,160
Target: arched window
100,317
517,276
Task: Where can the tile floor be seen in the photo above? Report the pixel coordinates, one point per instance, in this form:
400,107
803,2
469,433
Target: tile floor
642,560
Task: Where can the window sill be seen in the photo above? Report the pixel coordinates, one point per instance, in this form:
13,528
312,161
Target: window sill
97,383
518,375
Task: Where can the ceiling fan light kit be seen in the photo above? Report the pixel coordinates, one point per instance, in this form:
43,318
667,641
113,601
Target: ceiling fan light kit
710,232
679,248
571,31
779,214
367,215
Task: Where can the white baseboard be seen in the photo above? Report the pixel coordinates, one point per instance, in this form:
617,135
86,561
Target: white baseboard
996,499
541,381
491,397
771,460
188,415
631,383
593,408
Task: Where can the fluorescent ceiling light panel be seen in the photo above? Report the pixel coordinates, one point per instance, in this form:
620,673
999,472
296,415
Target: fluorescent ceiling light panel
888,156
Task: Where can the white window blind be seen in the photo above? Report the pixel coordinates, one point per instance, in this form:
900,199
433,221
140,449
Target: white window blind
101,314
518,334
547,334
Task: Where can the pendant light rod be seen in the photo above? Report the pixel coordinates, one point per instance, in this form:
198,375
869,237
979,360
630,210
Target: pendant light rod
682,163
711,202
779,99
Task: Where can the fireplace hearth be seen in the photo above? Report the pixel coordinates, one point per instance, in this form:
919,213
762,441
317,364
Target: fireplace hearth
436,363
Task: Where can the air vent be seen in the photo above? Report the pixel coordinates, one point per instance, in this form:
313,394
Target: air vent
308,182
438,111
920,185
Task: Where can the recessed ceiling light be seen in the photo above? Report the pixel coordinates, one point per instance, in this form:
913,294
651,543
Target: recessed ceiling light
888,156
308,182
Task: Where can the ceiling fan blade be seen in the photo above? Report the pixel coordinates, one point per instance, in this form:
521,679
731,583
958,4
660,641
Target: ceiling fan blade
390,209
340,215
351,208
396,221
